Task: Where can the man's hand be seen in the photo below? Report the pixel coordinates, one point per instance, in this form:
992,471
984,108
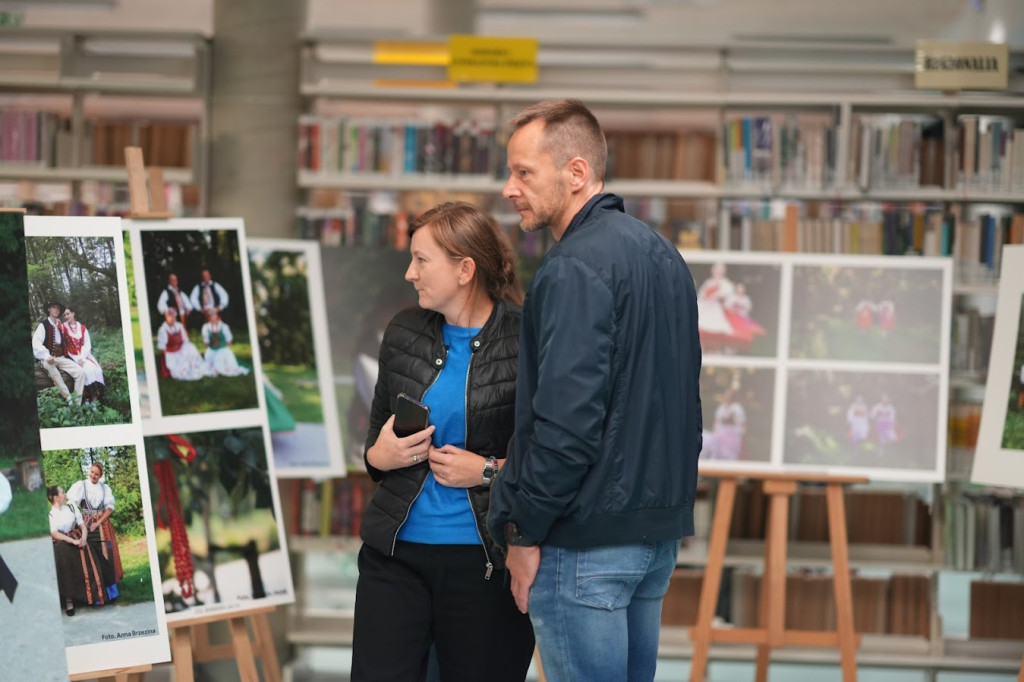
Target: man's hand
522,564
50,359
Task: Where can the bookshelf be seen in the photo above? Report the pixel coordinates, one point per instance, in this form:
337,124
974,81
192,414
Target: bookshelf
862,147
70,101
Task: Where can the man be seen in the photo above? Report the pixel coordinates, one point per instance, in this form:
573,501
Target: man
209,295
48,348
172,297
601,474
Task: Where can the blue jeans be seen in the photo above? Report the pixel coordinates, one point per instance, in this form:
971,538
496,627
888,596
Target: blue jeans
597,612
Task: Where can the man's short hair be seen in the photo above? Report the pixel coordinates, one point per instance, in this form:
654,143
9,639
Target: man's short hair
570,130
52,304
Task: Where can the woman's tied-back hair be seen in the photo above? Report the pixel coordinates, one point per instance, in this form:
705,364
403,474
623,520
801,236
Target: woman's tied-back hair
52,492
464,231
570,130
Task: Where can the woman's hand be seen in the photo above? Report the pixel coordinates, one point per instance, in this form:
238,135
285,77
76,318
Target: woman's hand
392,452
457,468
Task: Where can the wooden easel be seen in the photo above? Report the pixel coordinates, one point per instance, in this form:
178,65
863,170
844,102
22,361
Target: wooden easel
190,643
133,674
1020,675
772,632
142,203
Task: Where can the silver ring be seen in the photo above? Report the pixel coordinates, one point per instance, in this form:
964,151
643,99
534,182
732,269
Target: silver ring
415,458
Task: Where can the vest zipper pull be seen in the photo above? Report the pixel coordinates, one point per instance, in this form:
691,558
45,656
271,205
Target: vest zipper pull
490,569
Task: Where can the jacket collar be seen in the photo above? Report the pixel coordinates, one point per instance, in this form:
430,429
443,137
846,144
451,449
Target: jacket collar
601,201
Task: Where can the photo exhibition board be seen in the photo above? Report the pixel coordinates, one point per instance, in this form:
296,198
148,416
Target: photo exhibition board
31,627
77,268
213,484
999,455
825,364
291,319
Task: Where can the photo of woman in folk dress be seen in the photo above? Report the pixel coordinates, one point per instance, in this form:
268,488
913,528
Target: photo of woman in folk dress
95,500
80,579
78,347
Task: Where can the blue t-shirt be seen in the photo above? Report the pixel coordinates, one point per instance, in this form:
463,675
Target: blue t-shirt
443,515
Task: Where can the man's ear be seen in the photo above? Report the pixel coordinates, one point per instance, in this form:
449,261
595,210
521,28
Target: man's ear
467,270
579,173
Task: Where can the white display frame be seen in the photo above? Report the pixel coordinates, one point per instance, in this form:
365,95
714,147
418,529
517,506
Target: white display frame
334,465
994,464
935,371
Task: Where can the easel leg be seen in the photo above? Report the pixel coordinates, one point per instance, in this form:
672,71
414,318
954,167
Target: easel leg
181,653
243,650
265,649
763,650
841,582
701,632
774,578
1020,675
540,668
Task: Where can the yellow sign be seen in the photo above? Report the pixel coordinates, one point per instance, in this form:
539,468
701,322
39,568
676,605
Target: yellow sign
410,52
482,58
961,66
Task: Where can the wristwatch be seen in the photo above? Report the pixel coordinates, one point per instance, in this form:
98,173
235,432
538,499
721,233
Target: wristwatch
490,470
514,538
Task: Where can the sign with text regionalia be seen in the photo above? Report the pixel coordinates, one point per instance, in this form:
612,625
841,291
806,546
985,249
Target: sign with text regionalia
961,66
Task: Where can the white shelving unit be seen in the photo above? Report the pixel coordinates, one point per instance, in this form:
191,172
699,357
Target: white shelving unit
106,75
661,84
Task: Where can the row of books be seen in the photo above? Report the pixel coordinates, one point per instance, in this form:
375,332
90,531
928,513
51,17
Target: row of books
877,517
396,147
964,422
972,342
328,508
865,228
46,139
897,605
661,155
775,152
97,198
984,533
985,153
996,609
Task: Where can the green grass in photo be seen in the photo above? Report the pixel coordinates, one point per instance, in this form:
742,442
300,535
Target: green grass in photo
136,586
300,388
27,517
211,394
1013,427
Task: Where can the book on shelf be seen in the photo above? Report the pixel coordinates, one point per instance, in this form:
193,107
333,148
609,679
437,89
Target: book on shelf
989,153
890,151
896,604
779,151
358,145
996,608
984,532
328,508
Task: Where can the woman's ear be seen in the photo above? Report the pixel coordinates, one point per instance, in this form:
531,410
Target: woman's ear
467,270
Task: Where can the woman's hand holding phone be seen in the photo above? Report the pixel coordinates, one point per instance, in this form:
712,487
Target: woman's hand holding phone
395,452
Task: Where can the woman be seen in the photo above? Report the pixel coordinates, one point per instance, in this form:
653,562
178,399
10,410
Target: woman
96,502
429,573
181,358
78,346
220,359
79,575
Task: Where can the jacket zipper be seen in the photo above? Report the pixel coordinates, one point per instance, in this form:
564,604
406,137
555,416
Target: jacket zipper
465,441
394,540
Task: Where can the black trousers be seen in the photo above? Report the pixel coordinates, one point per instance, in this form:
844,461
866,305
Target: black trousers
436,595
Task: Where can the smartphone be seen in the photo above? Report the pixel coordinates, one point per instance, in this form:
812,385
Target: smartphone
411,416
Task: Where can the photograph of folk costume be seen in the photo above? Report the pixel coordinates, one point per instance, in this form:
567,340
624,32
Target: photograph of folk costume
208,265
217,338
738,306
1013,427
218,534
291,320
736,405
101,548
862,419
78,340
30,622
845,312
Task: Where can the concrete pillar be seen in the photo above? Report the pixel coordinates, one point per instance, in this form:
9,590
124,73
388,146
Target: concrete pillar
255,106
445,17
